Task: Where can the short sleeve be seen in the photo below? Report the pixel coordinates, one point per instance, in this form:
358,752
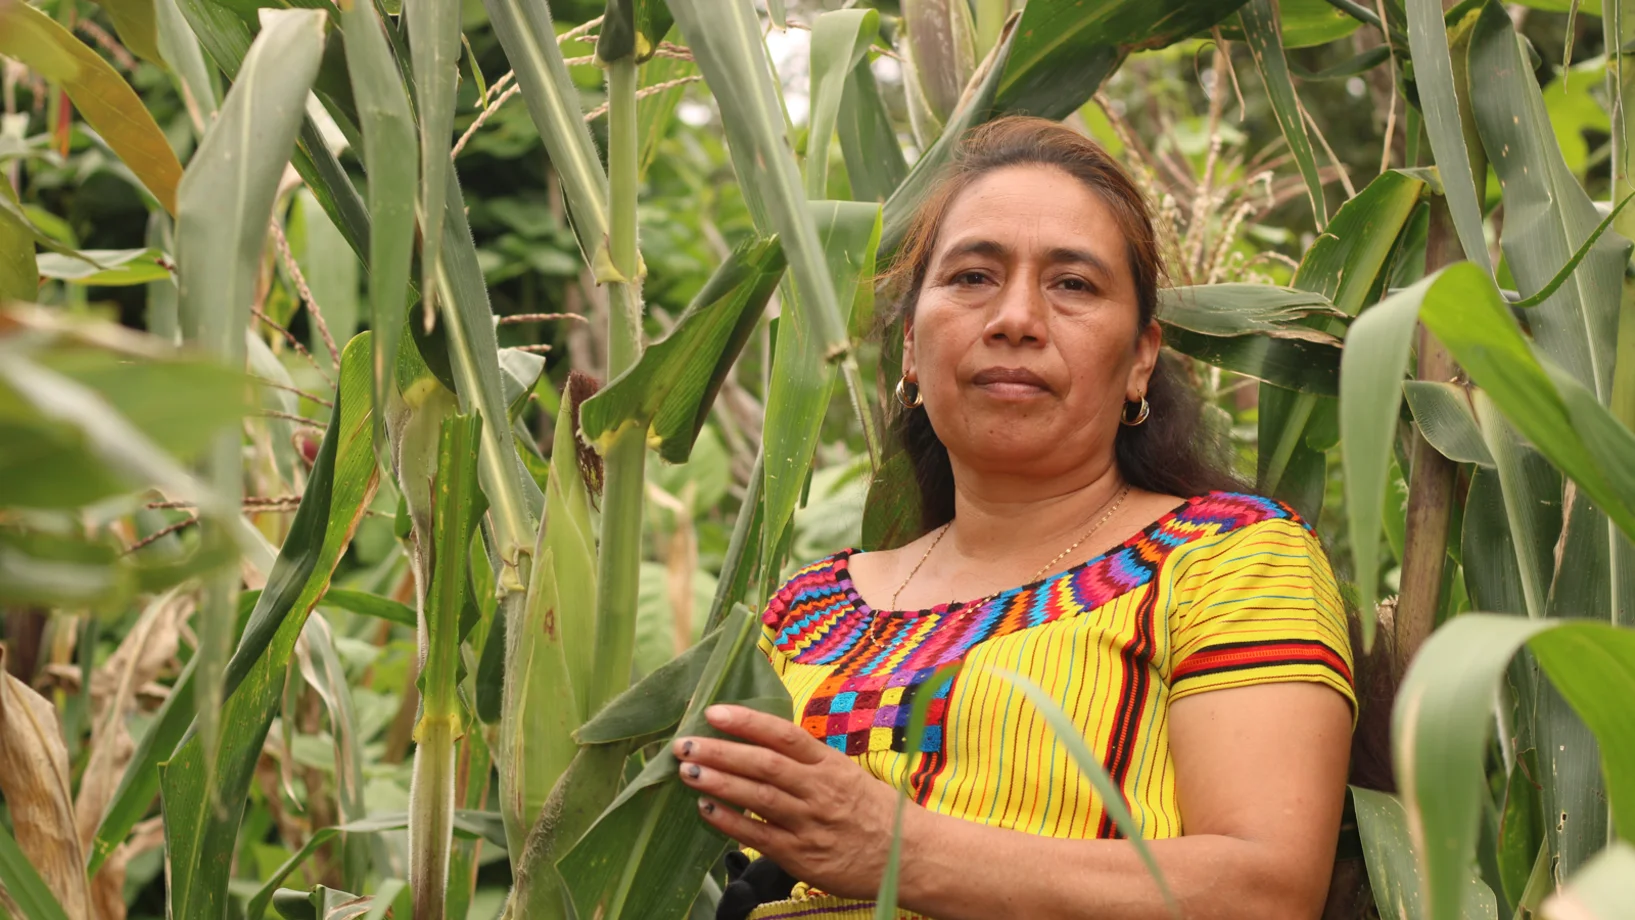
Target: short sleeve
1258,605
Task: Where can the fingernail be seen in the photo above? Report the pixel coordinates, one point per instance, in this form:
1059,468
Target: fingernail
687,748
693,770
706,806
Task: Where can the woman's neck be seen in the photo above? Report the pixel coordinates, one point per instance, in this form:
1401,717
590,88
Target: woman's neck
1014,519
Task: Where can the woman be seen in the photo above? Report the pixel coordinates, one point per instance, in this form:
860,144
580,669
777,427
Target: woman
1194,635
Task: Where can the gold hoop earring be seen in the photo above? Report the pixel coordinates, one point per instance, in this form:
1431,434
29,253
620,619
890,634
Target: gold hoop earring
1140,415
903,397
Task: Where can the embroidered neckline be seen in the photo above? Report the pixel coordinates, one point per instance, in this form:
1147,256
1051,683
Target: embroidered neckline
842,573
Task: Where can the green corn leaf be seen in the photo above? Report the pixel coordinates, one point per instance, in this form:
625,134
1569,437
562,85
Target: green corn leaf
199,840
657,702
139,784
456,506
322,670
1388,853
223,205
885,902
19,270
802,380
1602,890
1547,214
105,267
1493,577
23,884
1446,419
1439,100
466,825
659,876
940,53
137,25
529,39
182,53
892,516
1348,261
1259,20
108,103
1112,798
868,140
1521,829
392,168
1355,65
840,42
656,109
1231,309
1305,23
434,45
372,605
671,389
1530,496
571,537
1566,271
1440,728
1292,364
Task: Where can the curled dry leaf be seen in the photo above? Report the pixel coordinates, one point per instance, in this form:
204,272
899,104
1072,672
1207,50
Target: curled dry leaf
147,649
34,780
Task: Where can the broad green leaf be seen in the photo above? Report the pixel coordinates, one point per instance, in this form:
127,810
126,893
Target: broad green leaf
1112,798
108,103
840,42
1521,827
885,902
1441,726
1493,577
1292,364
392,168
1547,214
1232,309
23,884
529,39
732,585
199,841
802,378
1392,873
655,110
434,45
178,405
1531,498
322,670
135,21
467,825
1446,419
647,854
1259,21
140,783
19,272
868,140
372,605
185,58
1463,309
457,504
1346,261
938,38
1350,67
1305,23
1439,99
105,267
657,702
892,516
223,205
1602,890
671,389
1567,270
1063,50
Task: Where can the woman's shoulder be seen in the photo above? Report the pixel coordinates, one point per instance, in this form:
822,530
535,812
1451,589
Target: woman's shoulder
817,580
1217,532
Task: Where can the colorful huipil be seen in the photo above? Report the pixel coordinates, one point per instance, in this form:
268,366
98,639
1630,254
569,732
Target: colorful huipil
1227,590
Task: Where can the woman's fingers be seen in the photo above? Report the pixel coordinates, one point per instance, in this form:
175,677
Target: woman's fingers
767,730
763,799
748,831
746,760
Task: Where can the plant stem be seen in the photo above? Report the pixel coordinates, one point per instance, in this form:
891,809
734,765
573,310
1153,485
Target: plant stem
1431,479
619,559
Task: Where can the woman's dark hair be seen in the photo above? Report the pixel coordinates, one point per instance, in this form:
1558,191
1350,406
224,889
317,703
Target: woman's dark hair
1169,453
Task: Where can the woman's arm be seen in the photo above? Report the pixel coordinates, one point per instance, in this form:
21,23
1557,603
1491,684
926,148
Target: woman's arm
1261,779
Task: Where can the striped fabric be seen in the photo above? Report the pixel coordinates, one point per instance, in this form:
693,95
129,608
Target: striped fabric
1226,590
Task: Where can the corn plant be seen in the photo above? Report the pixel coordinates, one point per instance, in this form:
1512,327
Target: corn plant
1514,451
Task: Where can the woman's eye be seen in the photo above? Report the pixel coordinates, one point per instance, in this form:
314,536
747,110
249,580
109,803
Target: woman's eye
972,277
1077,285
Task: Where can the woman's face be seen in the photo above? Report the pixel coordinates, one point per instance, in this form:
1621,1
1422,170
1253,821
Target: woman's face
1024,341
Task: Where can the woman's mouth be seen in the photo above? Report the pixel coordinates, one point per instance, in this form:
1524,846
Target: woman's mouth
1011,383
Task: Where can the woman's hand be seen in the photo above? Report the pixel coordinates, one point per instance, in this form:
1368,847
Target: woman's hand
823,818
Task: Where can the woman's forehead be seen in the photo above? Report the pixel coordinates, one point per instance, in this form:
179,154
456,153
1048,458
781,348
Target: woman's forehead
1028,206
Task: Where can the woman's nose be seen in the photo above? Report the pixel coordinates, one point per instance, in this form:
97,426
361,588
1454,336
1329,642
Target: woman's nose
1019,314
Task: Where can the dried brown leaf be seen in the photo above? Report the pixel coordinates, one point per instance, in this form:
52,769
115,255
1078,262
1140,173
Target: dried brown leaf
34,780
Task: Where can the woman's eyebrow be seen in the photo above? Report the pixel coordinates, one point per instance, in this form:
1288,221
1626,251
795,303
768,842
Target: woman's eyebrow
1067,255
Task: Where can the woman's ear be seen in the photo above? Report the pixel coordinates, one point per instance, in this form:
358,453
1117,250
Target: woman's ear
1146,358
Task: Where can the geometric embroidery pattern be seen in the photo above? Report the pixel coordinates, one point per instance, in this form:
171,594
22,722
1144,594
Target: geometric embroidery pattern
883,658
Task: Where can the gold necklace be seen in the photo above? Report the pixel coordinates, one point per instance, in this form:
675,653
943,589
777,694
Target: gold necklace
1112,508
